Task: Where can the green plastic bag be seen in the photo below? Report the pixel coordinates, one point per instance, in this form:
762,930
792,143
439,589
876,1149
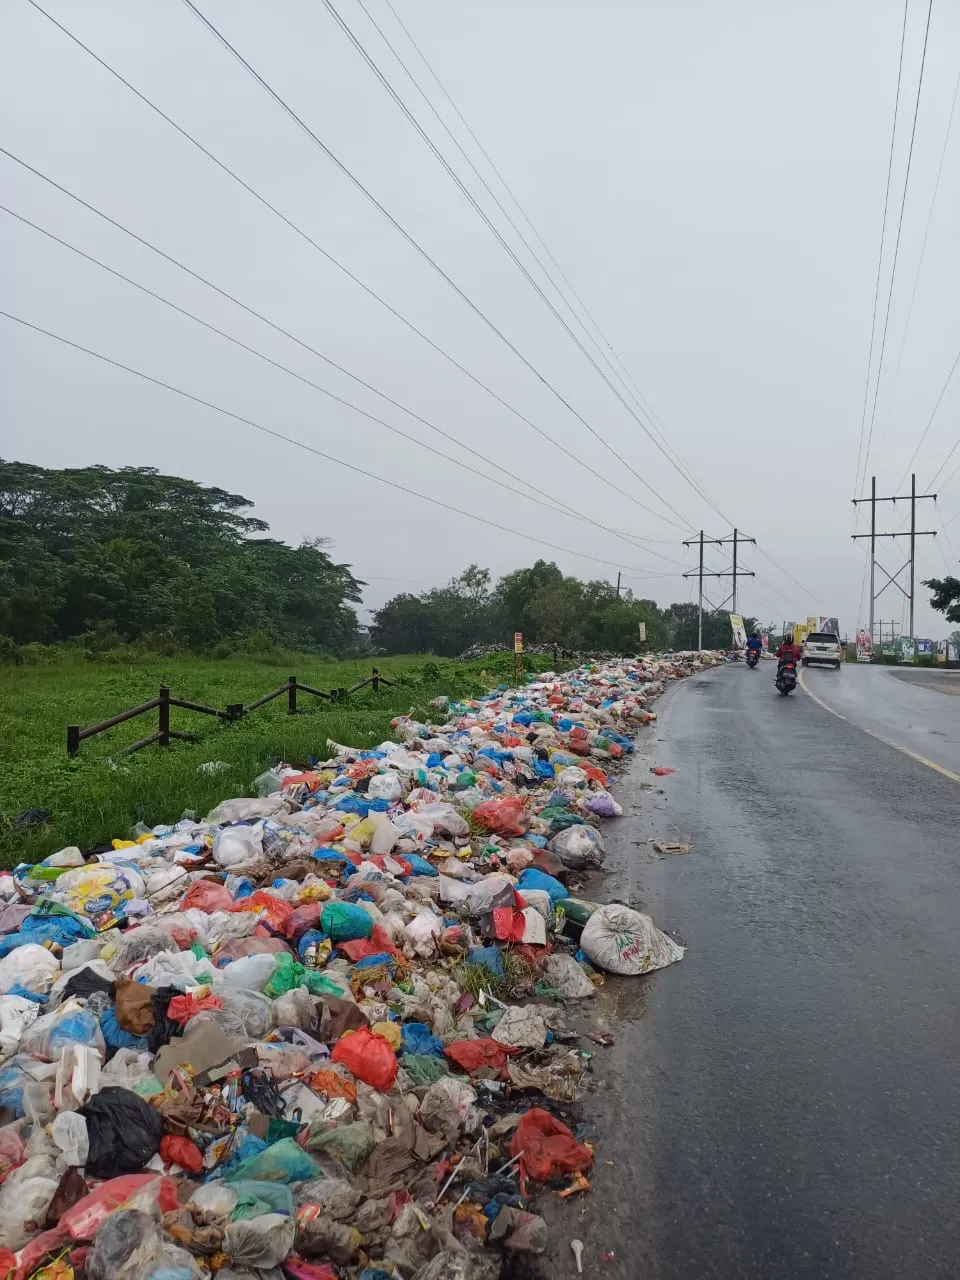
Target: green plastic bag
344,921
287,974
424,1068
256,1198
283,1162
349,1144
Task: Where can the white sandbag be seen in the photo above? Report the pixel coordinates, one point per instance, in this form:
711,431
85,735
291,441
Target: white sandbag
621,940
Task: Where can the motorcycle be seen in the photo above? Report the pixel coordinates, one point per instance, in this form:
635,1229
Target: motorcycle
753,657
786,680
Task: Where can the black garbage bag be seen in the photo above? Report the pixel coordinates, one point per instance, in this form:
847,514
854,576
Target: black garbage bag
124,1132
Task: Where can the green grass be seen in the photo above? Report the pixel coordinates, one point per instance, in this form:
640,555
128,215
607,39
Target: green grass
101,795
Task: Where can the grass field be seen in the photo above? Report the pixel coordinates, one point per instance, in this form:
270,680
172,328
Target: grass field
99,795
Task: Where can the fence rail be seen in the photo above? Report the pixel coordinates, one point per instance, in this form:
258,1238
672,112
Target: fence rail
233,712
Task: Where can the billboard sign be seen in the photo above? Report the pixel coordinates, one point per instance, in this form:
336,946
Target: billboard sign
518,642
908,650
739,631
864,646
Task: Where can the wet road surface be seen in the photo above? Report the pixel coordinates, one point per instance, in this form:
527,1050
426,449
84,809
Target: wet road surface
905,706
783,1102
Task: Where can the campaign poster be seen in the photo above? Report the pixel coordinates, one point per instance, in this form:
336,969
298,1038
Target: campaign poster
739,631
908,649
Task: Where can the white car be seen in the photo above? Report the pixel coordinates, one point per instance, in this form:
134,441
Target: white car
822,646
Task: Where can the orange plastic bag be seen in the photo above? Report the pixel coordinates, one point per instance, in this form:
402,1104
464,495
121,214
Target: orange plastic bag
550,1151
275,910
182,1152
368,1058
333,1085
506,815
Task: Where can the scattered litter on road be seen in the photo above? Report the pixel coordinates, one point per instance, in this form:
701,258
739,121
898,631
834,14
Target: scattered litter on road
662,771
660,846
323,1029
577,1247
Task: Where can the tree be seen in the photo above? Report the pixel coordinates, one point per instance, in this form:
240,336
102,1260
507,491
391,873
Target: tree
946,597
138,553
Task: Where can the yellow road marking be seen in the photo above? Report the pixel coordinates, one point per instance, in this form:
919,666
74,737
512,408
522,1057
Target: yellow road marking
931,764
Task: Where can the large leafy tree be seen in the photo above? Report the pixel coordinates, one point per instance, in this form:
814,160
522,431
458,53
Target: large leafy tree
140,553
946,597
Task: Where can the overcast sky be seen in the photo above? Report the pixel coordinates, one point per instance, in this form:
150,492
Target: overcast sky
710,177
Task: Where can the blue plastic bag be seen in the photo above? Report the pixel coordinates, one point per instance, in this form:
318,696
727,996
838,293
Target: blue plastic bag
490,958
420,866
531,878
352,803
418,1038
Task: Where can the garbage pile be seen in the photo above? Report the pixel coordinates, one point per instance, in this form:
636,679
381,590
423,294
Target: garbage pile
321,1033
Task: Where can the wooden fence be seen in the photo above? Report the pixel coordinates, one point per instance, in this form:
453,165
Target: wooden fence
233,712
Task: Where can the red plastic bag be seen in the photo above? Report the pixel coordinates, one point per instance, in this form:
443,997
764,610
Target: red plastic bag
550,1151
508,924
83,1221
207,895
182,1152
368,1058
506,815
182,1008
470,1055
579,747
359,948
275,910
8,1264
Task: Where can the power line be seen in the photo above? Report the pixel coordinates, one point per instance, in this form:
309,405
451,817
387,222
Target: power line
923,248
883,236
896,248
603,341
300,444
474,203
415,244
580,462
527,492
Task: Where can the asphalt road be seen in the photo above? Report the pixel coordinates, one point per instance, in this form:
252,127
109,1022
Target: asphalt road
905,706
783,1102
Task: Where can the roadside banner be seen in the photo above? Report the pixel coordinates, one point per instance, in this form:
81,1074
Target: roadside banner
941,653
643,631
518,642
813,624
829,625
908,649
953,652
739,631
864,646
764,643
924,649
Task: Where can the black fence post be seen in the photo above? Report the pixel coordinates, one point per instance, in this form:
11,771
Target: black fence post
235,710
73,739
375,679
291,695
164,738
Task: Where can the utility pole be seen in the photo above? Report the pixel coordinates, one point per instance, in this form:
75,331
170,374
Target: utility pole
700,573
894,579
618,584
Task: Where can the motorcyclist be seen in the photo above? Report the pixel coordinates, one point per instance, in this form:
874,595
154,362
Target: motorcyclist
754,643
789,651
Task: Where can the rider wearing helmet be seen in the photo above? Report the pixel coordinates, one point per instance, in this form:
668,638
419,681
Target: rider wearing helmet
788,652
754,642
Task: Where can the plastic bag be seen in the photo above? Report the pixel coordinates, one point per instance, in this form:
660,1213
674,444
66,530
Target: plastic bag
253,1199
550,1151
207,895
534,879
30,966
212,1203
470,1055
368,1058
24,1201
422,933
260,1242
621,940
84,1219
124,1131
69,1024
237,848
419,1039
385,786
561,972
16,1015
343,921
250,973
69,1132
348,1144
96,888
504,815
444,819
578,847
284,1161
